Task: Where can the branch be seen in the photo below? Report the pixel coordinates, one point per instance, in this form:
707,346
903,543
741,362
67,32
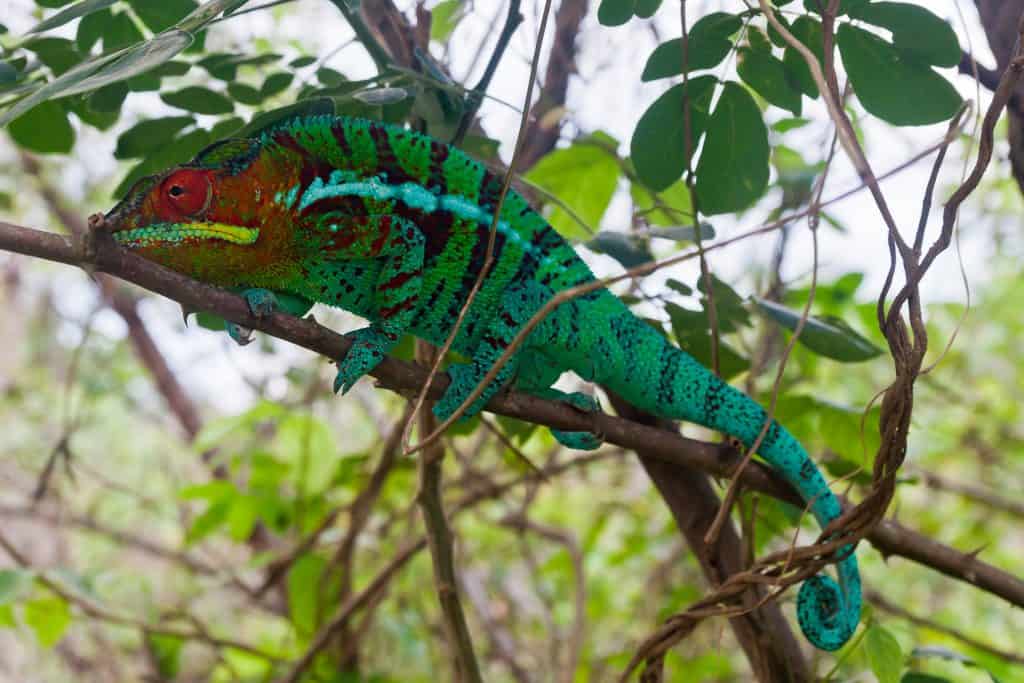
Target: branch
442,545
405,378
543,132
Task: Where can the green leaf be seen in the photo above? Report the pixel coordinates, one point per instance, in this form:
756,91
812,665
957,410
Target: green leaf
669,207
882,78
808,31
99,71
120,32
246,94
916,31
59,54
658,148
163,14
209,521
310,107
7,619
915,677
733,169
629,250
45,129
786,125
684,233
146,136
226,127
645,9
709,44
884,654
693,334
90,29
276,83
584,177
166,651
200,100
845,6
729,308
79,9
242,517
768,77
49,618
329,77
307,593
14,584
615,12
300,62
445,16
826,336
109,98
8,74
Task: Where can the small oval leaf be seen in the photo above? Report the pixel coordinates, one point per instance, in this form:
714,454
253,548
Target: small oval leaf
659,147
826,336
733,169
884,78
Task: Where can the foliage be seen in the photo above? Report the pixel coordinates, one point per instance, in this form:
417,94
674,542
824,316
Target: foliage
180,535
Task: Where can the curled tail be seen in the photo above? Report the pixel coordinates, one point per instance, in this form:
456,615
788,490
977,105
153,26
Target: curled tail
660,378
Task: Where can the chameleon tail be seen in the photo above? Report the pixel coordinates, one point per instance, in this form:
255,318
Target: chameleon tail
668,382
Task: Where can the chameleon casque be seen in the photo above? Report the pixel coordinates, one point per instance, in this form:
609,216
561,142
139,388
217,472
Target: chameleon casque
393,225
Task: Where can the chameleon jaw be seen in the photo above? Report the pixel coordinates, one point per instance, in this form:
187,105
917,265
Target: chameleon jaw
170,233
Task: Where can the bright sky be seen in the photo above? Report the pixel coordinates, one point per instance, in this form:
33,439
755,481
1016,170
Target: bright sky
606,95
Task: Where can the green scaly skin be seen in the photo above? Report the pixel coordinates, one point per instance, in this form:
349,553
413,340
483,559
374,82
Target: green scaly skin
393,226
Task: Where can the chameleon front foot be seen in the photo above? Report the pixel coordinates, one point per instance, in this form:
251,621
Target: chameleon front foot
369,346
261,303
241,334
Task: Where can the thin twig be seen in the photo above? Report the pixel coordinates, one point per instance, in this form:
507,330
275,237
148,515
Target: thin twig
441,542
476,96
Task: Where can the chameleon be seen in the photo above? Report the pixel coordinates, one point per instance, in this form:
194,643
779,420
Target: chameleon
393,225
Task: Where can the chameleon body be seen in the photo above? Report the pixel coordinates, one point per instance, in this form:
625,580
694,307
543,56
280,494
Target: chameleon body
393,226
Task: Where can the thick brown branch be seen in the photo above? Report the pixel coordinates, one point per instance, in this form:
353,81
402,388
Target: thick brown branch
889,537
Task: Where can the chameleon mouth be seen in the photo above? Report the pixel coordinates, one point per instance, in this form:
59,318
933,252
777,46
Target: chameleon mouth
170,233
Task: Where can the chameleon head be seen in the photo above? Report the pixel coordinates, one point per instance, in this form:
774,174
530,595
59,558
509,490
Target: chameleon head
212,222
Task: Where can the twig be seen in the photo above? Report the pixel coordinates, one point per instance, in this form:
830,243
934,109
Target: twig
442,549
572,546
377,52
476,96
97,611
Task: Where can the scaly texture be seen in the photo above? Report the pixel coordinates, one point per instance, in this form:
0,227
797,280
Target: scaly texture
393,226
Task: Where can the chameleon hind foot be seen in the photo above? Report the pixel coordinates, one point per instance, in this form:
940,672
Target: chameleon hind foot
369,346
581,441
464,379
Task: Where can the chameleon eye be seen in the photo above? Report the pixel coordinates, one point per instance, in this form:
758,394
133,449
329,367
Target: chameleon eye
188,191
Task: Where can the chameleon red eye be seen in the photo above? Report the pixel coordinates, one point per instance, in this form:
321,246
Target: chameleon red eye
187,191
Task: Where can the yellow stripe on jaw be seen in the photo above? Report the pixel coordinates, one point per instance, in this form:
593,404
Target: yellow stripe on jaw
163,233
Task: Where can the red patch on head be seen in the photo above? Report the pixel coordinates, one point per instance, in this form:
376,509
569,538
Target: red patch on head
185,193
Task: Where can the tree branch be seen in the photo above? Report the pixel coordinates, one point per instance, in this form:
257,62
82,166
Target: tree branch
890,537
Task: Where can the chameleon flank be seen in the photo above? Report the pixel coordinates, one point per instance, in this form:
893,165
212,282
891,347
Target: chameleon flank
393,226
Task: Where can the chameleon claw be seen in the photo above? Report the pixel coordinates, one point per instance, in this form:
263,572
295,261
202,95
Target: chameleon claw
240,333
185,313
